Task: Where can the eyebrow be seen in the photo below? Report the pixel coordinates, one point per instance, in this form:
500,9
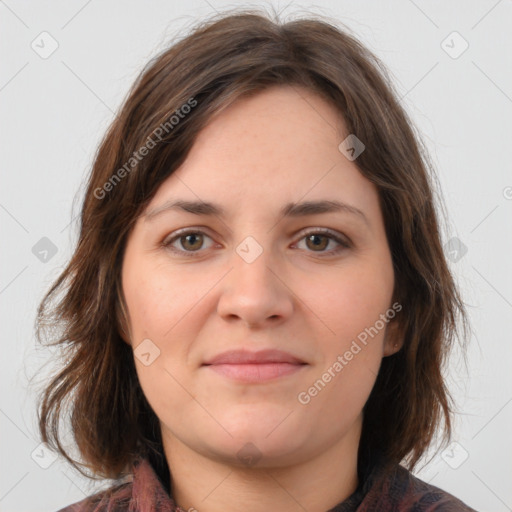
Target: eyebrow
289,210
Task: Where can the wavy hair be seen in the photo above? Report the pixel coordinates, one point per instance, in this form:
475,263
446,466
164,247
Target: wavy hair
225,58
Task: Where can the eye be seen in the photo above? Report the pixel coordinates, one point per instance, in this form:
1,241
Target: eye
321,238
189,240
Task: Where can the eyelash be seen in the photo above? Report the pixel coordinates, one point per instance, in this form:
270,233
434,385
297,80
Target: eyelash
344,244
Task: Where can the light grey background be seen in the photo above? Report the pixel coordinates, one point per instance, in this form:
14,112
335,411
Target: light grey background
54,111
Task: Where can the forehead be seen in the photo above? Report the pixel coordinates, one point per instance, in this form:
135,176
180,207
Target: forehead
278,121
275,147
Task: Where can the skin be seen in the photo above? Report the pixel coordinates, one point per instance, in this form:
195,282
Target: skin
257,155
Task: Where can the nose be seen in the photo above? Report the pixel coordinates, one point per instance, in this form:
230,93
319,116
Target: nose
255,291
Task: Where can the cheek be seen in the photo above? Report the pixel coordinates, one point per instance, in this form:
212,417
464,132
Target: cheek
355,299
351,306
341,400
159,298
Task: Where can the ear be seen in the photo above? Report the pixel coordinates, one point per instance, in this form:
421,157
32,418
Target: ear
393,338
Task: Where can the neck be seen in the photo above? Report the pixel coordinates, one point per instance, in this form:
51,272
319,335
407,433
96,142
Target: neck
315,484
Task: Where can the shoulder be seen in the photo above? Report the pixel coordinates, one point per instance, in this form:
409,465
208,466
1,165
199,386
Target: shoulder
405,492
141,489
424,497
114,499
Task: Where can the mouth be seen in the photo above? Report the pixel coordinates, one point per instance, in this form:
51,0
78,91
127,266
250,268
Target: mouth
246,366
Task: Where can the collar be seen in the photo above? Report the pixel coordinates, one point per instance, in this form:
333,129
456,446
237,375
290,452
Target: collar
151,488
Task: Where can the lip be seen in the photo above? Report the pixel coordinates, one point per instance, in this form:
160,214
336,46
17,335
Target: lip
247,366
248,357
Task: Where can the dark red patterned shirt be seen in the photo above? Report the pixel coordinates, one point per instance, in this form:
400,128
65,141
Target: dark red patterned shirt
391,491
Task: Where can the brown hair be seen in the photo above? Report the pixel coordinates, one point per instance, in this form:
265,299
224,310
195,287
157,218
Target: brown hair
223,59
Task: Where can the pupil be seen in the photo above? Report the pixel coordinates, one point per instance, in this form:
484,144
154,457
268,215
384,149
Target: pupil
315,239
193,237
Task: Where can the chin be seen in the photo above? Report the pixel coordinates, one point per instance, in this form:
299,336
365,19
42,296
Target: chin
270,439
255,452
259,421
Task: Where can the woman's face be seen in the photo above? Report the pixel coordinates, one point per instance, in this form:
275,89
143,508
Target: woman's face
255,271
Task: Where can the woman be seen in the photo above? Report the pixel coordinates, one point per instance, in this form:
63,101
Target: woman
258,308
